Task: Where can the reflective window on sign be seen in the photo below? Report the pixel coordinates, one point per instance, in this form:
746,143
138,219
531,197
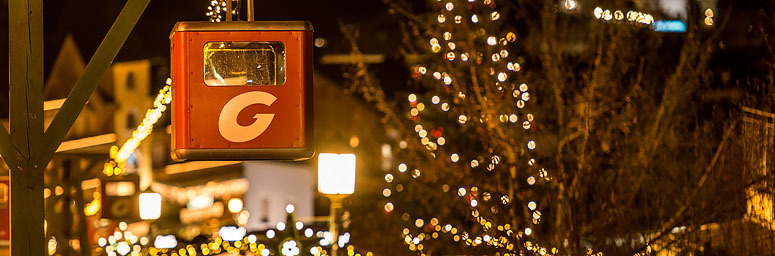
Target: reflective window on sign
244,63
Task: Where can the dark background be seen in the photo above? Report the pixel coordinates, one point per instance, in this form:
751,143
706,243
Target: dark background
89,20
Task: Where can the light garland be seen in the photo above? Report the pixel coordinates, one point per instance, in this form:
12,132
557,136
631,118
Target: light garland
119,156
619,15
216,12
123,243
502,70
219,190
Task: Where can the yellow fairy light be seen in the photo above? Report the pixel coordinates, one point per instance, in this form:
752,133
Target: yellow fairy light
450,56
447,79
419,223
598,12
447,35
441,18
570,4
502,77
618,15
495,16
436,48
511,36
462,119
402,167
474,18
496,57
449,6
386,192
492,40
143,130
607,15
435,100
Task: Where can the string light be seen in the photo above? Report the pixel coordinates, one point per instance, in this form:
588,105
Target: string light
497,61
216,12
120,155
631,16
709,17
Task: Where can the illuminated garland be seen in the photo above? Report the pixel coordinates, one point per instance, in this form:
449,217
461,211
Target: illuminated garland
216,12
288,241
119,156
503,67
619,15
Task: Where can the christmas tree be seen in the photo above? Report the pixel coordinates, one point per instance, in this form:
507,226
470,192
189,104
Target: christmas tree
616,150
464,170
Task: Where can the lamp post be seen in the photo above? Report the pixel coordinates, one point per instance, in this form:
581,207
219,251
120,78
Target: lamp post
336,180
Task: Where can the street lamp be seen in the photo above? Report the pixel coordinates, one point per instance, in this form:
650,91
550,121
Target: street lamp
150,205
336,180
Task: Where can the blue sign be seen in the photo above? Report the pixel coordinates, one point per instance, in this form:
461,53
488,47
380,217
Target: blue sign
669,26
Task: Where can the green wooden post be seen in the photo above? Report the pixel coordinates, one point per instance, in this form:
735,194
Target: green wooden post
27,150
26,121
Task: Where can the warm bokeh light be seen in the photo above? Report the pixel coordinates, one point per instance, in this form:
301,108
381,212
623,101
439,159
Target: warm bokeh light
235,205
336,173
150,206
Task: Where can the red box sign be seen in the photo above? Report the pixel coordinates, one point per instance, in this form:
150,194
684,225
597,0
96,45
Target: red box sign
242,90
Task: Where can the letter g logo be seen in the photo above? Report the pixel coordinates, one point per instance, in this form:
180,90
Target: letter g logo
227,121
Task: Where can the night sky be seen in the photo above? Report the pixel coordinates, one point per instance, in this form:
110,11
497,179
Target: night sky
89,20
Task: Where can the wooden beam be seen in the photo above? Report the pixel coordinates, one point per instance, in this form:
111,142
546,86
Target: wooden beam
27,149
26,121
7,151
97,66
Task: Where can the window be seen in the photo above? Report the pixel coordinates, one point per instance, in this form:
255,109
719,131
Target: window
244,63
264,218
130,81
131,120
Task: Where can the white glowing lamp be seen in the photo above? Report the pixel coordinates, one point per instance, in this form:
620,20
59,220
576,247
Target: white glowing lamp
150,206
336,173
235,205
